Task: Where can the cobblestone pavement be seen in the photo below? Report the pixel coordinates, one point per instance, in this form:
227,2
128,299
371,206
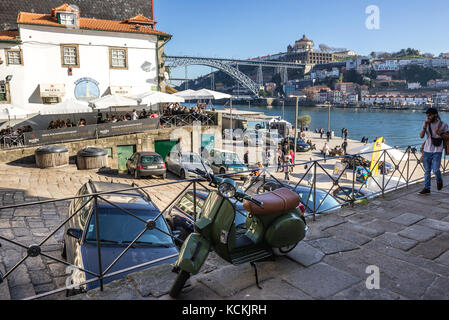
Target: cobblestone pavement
403,234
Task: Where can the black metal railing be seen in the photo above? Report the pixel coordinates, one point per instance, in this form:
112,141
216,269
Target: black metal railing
178,120
404,172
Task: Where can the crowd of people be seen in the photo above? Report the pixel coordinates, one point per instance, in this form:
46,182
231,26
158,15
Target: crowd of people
57,124
10,136
176,108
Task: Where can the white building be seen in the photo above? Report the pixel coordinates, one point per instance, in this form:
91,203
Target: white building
60,55
414,85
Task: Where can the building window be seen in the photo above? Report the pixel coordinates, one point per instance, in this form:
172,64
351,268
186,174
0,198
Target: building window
70,56
13,57
67,19
50,100
118,58
3,91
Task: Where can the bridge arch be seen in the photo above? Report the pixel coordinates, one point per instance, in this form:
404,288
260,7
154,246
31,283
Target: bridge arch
176,62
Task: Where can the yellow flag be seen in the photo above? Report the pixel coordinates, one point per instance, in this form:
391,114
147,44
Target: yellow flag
376,155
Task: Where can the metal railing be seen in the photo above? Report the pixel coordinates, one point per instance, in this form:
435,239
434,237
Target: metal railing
405,171
177,120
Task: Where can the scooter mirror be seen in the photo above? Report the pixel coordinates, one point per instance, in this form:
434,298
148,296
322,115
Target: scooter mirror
227,189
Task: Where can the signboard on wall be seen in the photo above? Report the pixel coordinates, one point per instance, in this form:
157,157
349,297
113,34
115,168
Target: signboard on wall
90,132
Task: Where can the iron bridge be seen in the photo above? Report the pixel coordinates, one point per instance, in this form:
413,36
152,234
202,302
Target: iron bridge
230,67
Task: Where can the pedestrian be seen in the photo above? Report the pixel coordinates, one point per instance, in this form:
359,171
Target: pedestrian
346,133
245,157
432,148
328,134
286,168
266,157
363,140
279,159
292,160
325,151
134,115
344,145
342,132
321,133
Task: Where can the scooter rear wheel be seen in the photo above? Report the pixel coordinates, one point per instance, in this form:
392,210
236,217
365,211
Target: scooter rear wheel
284,250
179,283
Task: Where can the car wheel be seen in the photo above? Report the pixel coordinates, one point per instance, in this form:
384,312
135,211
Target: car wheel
182,174
222,171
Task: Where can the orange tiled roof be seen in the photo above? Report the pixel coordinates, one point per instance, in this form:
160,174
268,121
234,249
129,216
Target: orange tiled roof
65,8
140,19
87,23
9,36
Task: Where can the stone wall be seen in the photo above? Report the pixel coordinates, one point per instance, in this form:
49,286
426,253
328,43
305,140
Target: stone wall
99,9
143,142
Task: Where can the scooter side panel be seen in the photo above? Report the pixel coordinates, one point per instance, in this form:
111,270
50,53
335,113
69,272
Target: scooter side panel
223,230
193,253
286,230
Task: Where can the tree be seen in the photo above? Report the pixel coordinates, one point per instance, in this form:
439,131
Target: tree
415,73
385,55
304,121
373,55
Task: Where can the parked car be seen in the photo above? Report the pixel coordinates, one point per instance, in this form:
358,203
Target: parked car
225,161
301,145
344,194
117,230
144,164
324,202
273,138
182,163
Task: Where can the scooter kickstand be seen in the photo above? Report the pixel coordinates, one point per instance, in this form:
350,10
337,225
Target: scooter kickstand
255,272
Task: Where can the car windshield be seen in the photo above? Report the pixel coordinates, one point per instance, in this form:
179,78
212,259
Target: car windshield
118,227
320,205
151,159
231,158
190,158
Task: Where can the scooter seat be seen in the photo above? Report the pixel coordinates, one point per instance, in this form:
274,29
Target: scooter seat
280,200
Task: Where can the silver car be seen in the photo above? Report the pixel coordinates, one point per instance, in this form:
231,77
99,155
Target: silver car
182,163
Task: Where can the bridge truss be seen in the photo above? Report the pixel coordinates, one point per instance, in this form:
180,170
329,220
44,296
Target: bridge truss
230,66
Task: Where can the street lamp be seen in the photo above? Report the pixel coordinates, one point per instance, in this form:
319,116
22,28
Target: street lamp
296,120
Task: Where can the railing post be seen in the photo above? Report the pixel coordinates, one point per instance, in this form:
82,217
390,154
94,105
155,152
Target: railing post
408,166
384,169
194,201
353,182
97,230
314,190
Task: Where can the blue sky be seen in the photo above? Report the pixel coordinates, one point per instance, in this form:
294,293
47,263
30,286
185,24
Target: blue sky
250,28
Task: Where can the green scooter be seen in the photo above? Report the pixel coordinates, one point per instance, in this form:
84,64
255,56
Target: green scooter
275,224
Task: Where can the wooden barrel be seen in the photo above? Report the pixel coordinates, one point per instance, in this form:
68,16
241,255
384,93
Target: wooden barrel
91,158
51,157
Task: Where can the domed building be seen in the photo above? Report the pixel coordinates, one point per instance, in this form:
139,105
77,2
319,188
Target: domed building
303,52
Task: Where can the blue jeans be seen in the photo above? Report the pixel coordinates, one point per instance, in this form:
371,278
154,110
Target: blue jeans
431,162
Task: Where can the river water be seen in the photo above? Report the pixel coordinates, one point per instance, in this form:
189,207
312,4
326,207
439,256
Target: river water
399,128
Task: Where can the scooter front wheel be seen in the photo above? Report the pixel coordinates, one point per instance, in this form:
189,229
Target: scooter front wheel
179,283
284,250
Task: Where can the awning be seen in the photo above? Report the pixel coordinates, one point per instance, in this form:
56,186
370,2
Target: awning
52,90
121,91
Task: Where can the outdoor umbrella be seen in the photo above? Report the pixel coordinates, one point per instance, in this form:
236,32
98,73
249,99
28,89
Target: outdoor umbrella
186,94
155,97
202,94
13,112
112,100
395,154
67,106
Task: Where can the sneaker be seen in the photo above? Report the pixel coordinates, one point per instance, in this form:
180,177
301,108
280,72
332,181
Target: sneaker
424,191
440,184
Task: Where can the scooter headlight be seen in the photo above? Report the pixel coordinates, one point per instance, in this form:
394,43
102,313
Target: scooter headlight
226,189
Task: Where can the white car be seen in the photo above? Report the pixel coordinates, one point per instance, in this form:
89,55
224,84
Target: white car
182,163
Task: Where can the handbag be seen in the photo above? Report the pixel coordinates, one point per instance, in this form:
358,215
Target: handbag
436,141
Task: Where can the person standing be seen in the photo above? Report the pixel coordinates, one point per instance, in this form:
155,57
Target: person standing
328,134
344,145
321,133
286,167
325,151
292,160
432,149
342,132
245,157
279,159
346,133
